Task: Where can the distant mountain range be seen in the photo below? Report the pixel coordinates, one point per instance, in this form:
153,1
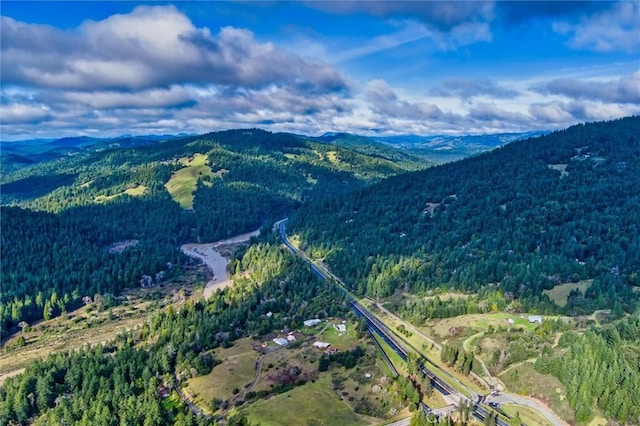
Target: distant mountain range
438,148
31,151
444,148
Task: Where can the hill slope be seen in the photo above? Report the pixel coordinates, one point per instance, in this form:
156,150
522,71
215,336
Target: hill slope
523,218
159,194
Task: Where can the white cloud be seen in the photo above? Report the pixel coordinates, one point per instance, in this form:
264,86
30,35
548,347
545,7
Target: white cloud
18,113
152,46
154,98
616,29
625,89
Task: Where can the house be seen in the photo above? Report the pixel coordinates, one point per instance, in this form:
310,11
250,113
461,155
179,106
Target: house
341,328
269,314
163,392
535,319
321,345
291,338
510,321
312,322
280,341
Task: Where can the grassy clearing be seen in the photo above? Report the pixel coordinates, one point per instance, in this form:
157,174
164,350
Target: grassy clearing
598,421
341,341
183,183
81,327
527,415
236,370
393,357
304,405
135,191
172,402
427,348
332,156
366,385
523,379
560,292
89,325
440,328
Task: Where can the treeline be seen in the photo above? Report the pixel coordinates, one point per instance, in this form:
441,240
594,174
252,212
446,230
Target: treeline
528,216
419,310
119,383
602,365
347,359
458,357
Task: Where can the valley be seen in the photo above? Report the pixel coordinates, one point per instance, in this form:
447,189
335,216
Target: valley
453,307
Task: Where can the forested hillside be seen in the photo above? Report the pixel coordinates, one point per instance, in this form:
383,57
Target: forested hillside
526,217
118,383
151,198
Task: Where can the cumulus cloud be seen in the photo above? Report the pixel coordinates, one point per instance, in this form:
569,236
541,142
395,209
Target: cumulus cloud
550,112
150,47
19,113
153,71
466,89
562,114
615,29
384,101
174,96
626,89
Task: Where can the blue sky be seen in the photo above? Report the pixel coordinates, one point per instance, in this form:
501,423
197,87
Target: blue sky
368,67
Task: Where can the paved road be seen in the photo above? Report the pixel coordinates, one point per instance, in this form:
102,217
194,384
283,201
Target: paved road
194,409
500,398
397,343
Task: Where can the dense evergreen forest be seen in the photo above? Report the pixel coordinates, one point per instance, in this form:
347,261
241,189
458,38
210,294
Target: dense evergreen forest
521,219
118,384
65,213
602,365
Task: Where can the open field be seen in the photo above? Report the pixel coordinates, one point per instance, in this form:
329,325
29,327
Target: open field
560,292
363,388
440,329
134,191
183,182
523,379
235,371
90,325
303,406
426,346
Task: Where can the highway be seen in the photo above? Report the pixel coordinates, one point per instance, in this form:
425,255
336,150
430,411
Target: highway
499,398
399,345
395,342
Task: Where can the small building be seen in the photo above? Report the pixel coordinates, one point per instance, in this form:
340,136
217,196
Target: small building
280,341
321,345
535,319
511,321
312,322
163,392
341,328
291,337
269,314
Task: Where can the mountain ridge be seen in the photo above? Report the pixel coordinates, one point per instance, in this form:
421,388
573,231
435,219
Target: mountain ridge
538,212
